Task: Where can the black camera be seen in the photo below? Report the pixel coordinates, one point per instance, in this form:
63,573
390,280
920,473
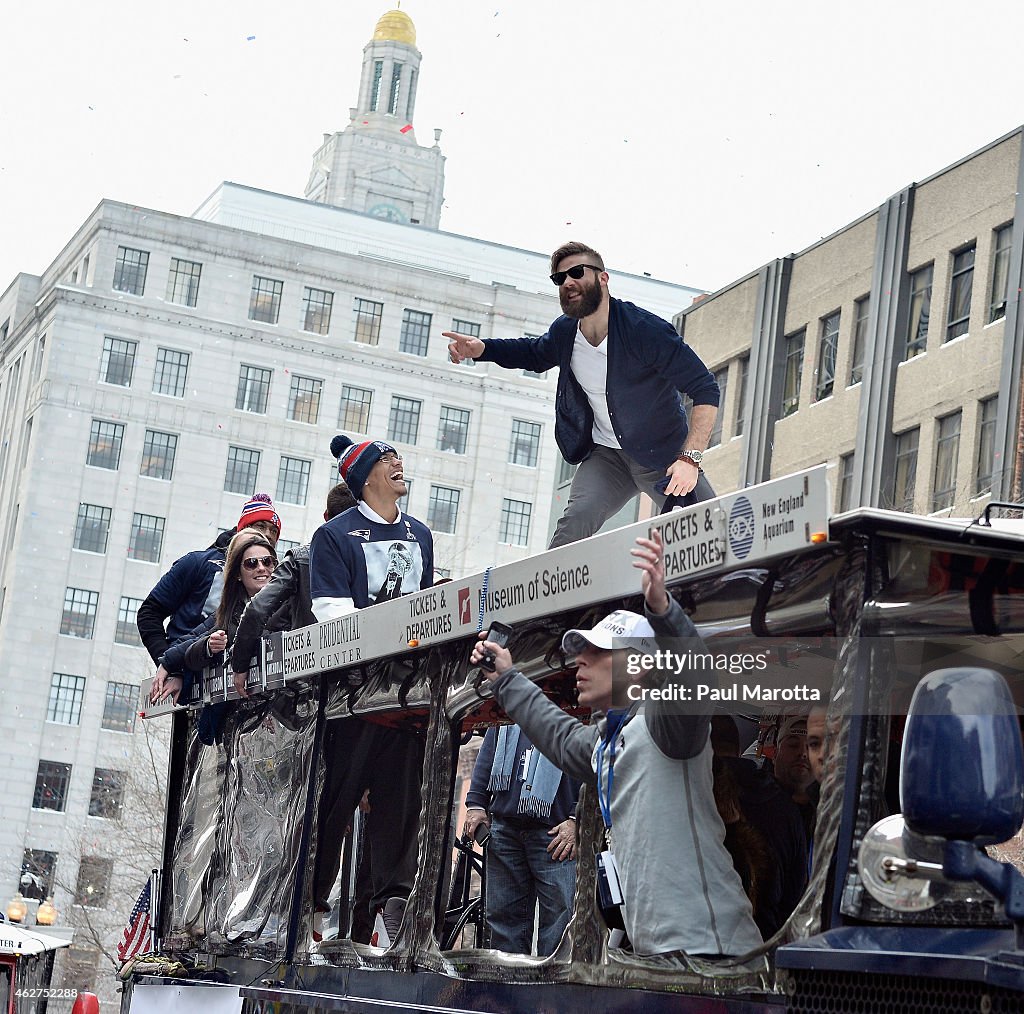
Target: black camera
481,834
500,634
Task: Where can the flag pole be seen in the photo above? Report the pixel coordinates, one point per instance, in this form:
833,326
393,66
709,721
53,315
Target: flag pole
154,911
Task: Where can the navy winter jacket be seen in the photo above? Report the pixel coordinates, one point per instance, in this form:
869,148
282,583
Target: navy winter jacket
648,366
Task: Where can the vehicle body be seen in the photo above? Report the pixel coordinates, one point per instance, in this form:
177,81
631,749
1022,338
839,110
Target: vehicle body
863,605
26,968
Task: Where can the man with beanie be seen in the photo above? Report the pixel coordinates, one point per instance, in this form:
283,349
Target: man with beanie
190,591
369,553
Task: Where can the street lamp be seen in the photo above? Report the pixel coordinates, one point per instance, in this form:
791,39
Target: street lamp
46,914
16,908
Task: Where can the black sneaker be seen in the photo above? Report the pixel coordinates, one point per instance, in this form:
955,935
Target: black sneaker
388,923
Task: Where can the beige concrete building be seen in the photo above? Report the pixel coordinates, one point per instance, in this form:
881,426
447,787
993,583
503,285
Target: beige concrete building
890,349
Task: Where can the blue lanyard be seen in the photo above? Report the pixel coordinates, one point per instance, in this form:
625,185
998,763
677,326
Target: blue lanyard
616,720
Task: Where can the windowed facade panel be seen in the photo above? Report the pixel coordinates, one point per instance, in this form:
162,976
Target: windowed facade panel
861,323
253,389
242,470
316,310
524,445
107,793
171,373
105,439
147,538
960,288
65,704
354,413
158,451
120,706
127,629
368,316
183,282
304,399
293,480
986,446
905,479
404,420
515,522
93,884
453,430
947,451
52,782
265,299
415,332
92,528
130,267
828,345
79,616
794,368
920,311
443,509
998,293
117,364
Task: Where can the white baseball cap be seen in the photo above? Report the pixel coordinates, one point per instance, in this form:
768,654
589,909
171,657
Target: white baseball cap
620,626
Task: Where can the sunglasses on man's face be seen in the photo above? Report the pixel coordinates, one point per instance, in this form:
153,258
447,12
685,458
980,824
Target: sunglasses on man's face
267,562
577,271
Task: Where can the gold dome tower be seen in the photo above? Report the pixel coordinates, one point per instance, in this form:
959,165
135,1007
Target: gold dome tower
395,26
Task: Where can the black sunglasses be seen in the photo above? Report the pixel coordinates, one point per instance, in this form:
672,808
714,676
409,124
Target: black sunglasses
576,271
253,562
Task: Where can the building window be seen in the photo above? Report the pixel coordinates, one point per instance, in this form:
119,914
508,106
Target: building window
920,310
947,450
93,881
368,318
158,452
1000,272
66,693
415,332
92,528
293,480
960,287
403,502
120,705
906,470
532,374
466,327
304,399
80,967
524,445
827,346
127,629
284,545
565,472
404,421
265,299
316,310
396,88
130,270
147,538
253,389
453,430
794,351
107,793
52,780
79,616
861,321
515,522
378,74
741,396
443,509
105,440
354,413
722,379
183,282
846,482
986,446
240,475
118,362
37,869
171,373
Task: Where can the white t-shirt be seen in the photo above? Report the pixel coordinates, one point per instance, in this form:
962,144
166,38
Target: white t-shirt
589,366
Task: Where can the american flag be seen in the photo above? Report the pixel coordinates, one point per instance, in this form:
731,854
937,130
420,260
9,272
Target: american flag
136,934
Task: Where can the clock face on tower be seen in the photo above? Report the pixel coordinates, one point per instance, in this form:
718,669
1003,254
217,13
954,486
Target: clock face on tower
388,212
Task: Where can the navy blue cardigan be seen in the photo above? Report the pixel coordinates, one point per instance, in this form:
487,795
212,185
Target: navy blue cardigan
648,366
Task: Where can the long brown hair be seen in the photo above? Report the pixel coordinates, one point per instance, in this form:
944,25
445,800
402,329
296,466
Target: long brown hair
234,592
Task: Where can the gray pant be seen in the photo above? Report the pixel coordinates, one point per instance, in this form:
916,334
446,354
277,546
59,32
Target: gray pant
604,481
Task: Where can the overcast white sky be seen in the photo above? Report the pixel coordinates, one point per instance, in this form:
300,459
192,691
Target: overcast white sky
695,141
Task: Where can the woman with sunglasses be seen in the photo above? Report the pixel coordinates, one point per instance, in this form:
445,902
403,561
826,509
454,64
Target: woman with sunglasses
248,566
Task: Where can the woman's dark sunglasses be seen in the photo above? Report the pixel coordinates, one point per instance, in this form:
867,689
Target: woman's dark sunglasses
267,561
577,271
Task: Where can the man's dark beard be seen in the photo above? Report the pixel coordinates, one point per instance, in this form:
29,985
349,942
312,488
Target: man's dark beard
590,300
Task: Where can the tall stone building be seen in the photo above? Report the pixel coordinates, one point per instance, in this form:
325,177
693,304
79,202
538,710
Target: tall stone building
890,349
162,369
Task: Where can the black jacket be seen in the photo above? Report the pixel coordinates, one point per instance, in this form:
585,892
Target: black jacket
283,603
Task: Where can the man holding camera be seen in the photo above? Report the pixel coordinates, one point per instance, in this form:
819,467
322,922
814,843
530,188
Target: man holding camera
619,414
527,805
650,761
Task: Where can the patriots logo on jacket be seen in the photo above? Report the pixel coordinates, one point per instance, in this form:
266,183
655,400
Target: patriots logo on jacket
361,533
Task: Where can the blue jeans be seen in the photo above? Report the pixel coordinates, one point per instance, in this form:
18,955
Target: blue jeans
521,874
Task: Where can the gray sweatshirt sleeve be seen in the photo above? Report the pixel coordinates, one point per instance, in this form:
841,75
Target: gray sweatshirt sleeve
679,732
565,741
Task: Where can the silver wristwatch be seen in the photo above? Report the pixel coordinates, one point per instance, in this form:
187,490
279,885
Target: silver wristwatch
695,456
